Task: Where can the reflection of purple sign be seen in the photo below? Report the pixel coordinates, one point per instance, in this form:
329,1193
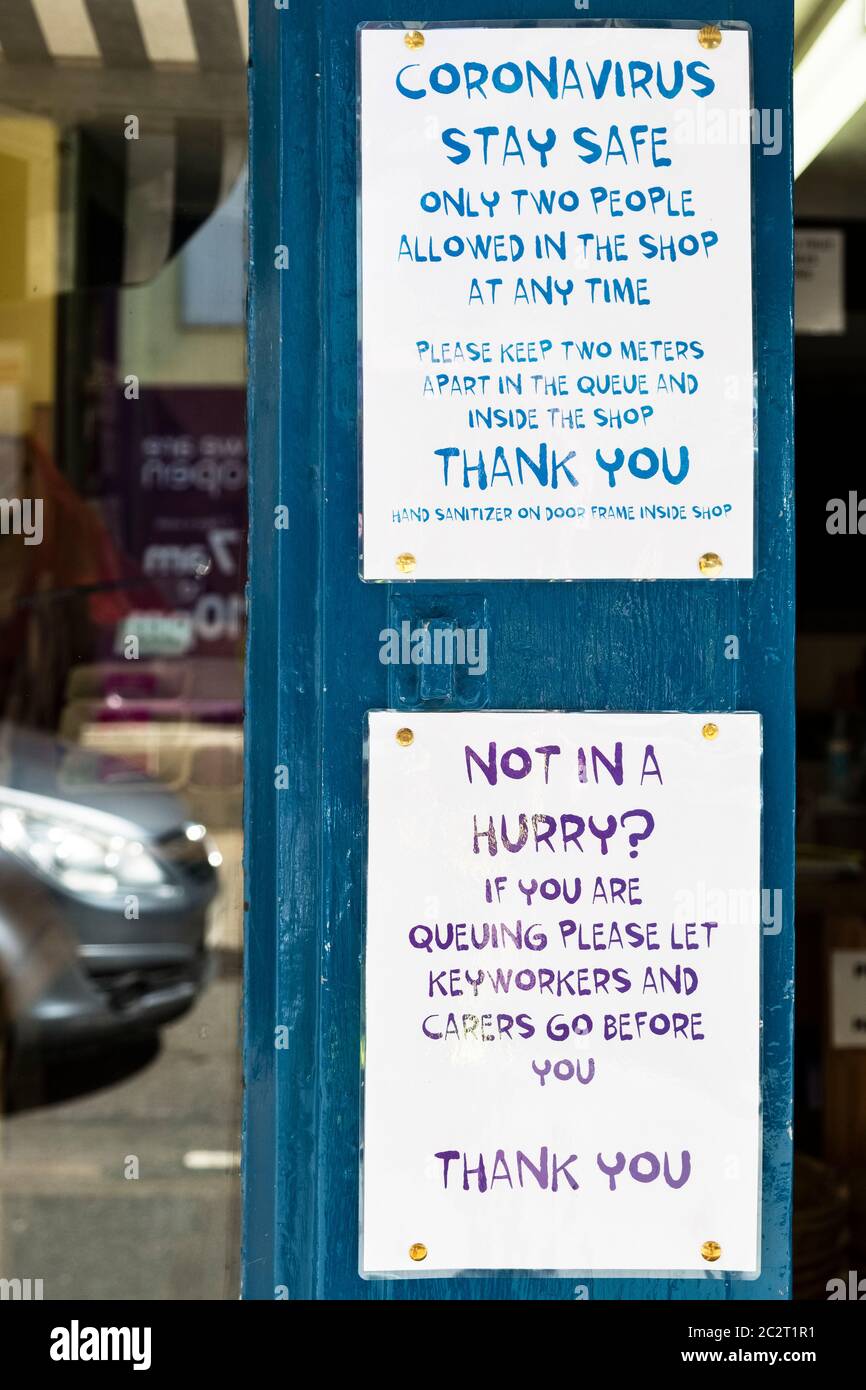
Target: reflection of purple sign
185,470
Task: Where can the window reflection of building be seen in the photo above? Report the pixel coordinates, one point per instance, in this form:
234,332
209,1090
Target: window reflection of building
122,202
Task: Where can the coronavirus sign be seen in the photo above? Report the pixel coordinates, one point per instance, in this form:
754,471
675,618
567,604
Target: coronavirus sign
557,325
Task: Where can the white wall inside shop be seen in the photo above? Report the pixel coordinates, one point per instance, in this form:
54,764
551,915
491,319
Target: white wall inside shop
158,341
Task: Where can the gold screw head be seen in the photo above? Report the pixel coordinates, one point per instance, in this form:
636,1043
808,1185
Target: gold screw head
405,738
710,564
710,731
405,563
418,1251
710,36
711,1250
414,39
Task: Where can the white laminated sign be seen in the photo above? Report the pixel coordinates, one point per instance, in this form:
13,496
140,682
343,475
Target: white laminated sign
562,993
557,317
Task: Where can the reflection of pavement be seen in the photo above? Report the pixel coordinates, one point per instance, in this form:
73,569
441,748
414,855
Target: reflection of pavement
70,1217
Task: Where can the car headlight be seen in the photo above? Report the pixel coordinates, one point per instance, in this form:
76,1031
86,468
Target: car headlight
80,857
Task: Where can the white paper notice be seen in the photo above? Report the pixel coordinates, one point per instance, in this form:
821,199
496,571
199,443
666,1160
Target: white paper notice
819,280
562,993
557,333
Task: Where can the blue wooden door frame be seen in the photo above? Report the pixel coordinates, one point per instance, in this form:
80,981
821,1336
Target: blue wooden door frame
313,668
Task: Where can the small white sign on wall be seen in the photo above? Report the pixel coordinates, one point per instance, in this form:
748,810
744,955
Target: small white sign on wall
557,316
819,280
848,980
562,993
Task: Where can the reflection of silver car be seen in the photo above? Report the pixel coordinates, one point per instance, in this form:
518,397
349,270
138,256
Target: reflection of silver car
104,887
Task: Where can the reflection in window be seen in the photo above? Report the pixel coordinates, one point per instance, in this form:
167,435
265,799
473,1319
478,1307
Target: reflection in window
122,562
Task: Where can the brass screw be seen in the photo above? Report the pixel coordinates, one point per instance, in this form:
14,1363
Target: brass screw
710,731
710,564
710,36
711,1250
405,738
415,39
405,563
418,1251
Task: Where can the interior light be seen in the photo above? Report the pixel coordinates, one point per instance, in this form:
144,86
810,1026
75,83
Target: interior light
829,83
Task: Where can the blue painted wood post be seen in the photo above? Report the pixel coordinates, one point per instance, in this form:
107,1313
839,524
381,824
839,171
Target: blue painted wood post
313,667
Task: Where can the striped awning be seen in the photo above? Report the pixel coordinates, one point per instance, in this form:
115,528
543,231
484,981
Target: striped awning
211,34
133,192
